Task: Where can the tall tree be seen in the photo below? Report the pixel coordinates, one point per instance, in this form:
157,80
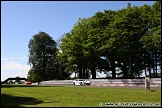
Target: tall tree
42,54
152,39
128,40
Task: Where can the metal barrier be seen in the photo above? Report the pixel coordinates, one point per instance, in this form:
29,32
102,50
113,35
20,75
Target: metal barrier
155,81
53,82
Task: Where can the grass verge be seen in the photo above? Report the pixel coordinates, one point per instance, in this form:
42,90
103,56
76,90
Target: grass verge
71,96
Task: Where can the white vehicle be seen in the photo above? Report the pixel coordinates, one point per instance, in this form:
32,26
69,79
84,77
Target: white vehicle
81,82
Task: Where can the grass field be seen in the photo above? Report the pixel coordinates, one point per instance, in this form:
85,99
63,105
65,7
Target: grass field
71,96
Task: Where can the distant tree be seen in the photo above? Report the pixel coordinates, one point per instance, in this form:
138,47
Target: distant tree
17,80
42,55
33,75
10,82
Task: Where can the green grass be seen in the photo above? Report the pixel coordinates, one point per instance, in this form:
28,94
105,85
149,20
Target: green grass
62,96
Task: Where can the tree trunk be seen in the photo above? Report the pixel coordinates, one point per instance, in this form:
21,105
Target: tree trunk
145,71
80,71
125,75
61,71
84,73
87,74
112,62
156,65
149,69
145,63
44,66
137,68
44,62
153,65
130,69
93,72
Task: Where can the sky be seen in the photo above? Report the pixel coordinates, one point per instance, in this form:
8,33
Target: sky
20,20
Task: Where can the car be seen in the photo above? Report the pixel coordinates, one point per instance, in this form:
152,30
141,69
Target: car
81,82
28,82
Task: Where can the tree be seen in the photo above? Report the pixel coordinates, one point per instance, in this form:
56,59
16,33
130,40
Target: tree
34,76
152,39
17,80
127,40
42,55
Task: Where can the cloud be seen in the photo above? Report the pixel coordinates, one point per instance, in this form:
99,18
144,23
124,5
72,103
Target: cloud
4,59
19,57
3,73
13,69
14,66
15,57
3,76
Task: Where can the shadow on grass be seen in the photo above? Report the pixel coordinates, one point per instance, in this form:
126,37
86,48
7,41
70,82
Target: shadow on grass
14,101
9,86
152,90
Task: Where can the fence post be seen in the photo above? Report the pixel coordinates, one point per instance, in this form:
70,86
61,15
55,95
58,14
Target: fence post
147,83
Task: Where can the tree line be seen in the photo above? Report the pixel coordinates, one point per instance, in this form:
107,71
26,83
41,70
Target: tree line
125,43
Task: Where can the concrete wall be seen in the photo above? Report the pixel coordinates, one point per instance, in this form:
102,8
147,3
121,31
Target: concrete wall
155,81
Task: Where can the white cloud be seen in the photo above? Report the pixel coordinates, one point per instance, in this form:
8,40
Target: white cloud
15,57
3,76
19,57
11,65
4,59
3,73
13,69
